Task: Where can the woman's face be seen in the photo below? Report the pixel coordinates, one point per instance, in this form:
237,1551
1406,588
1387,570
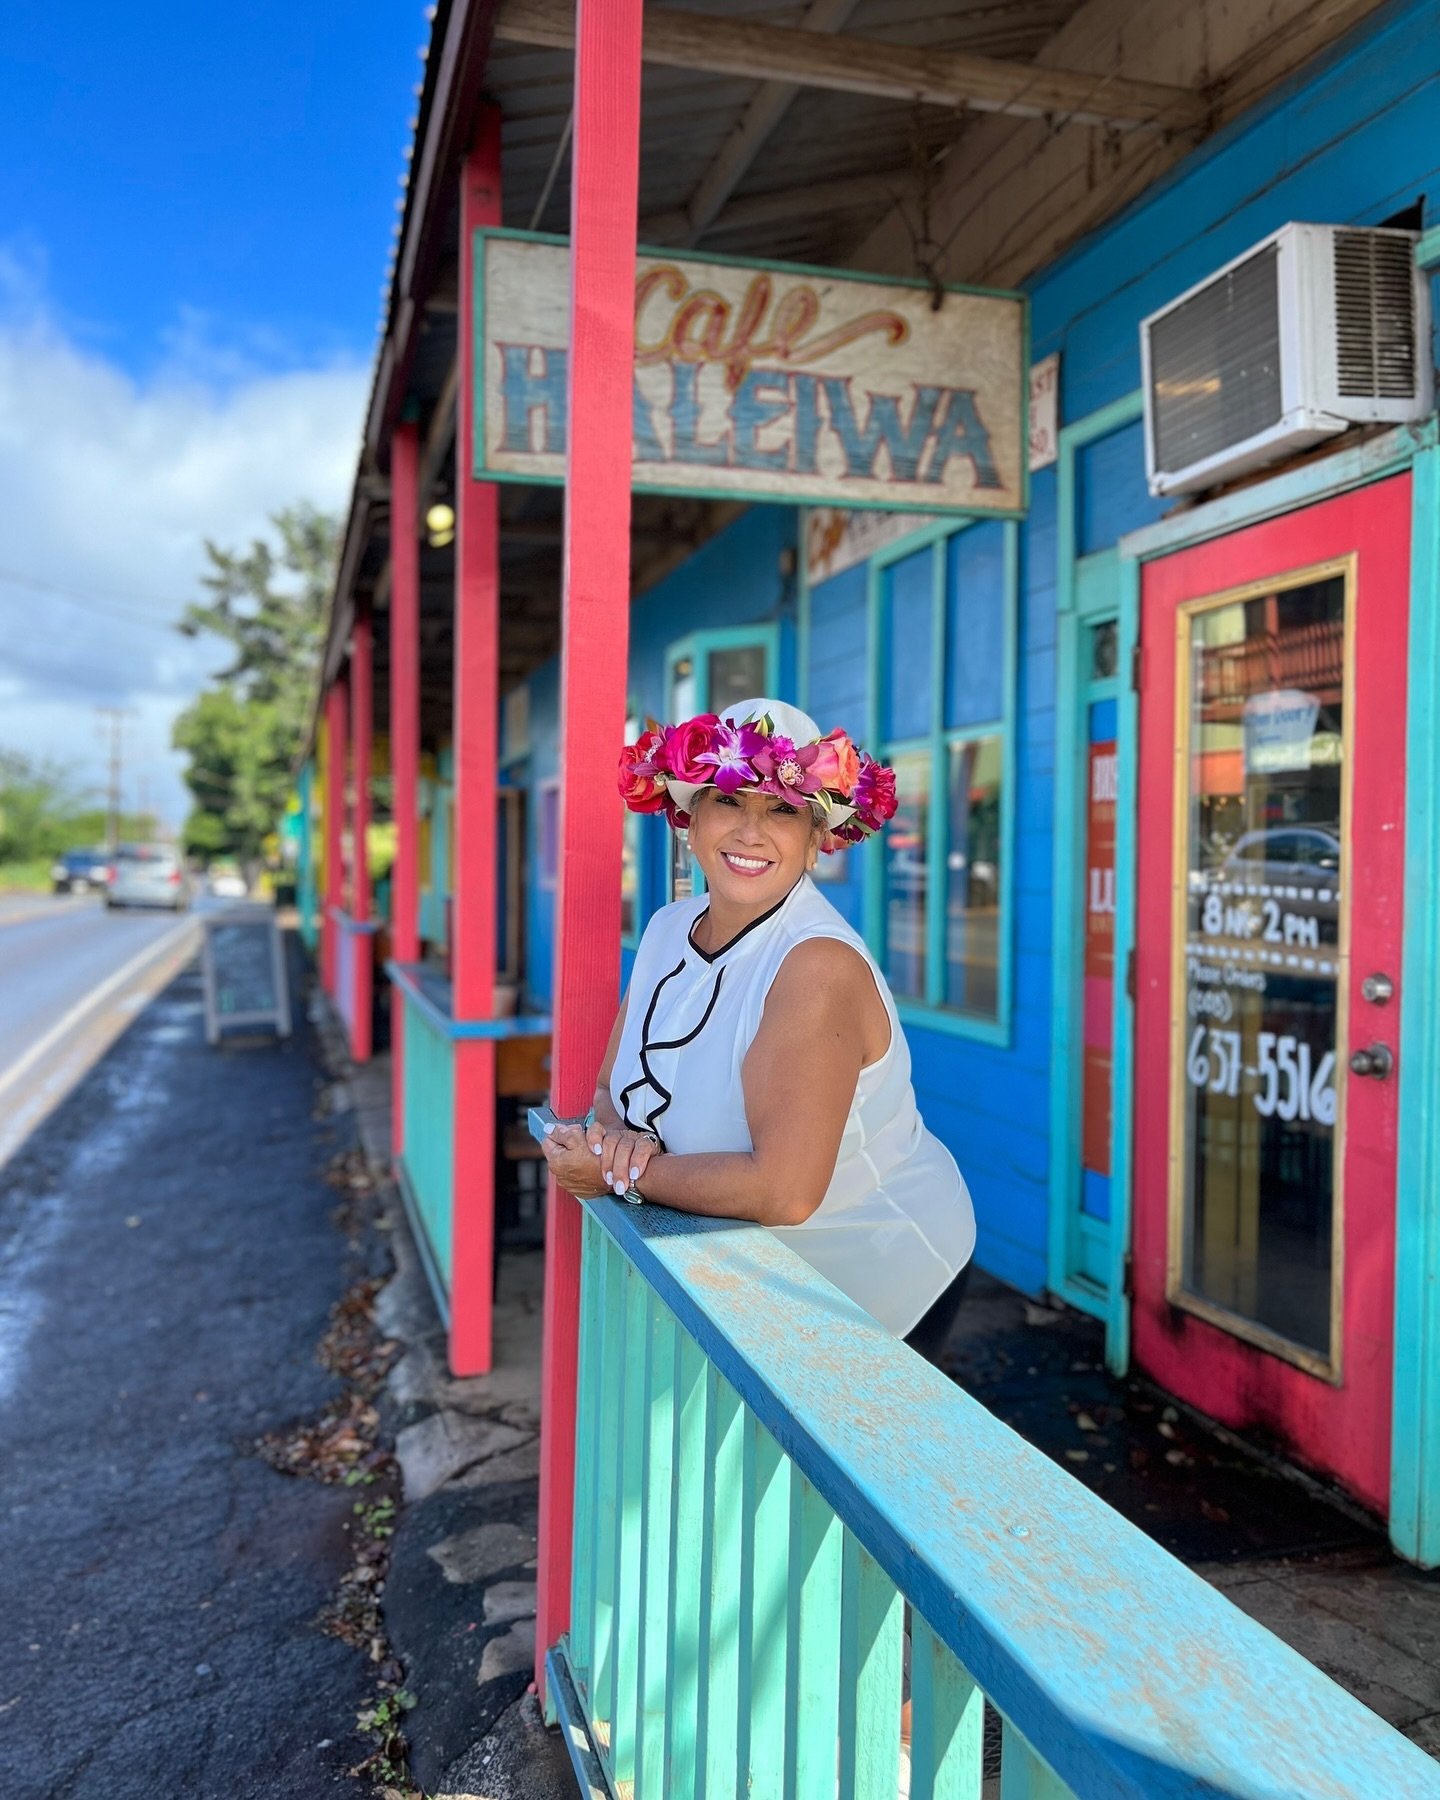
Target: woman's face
752,847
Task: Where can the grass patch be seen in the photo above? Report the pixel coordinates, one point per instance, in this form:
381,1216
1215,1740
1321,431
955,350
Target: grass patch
31,877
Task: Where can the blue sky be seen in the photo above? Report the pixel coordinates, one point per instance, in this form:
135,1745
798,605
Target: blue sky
235,163
196,206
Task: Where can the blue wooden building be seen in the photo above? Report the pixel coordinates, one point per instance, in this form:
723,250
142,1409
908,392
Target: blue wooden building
1158,902
1002,667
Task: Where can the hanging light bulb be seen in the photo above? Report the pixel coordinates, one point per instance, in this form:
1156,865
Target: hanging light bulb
440,525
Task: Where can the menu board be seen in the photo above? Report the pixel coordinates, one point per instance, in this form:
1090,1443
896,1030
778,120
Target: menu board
243,962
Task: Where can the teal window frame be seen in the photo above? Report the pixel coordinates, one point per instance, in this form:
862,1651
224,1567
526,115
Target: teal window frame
1089,590
931,1013
697,646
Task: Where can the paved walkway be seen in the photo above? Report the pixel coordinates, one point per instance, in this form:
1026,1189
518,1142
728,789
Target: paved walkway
167,1264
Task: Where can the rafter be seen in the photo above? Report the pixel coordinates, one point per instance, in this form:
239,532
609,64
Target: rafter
860,65
768,106
852,193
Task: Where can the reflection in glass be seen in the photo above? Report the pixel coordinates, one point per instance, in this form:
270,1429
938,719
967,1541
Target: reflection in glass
906,840
972,878
736,674
1263,849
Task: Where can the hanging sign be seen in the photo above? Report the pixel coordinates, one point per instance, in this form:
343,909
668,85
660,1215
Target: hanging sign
765,382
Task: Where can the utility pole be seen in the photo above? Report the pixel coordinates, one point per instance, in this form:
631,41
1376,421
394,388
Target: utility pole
114,717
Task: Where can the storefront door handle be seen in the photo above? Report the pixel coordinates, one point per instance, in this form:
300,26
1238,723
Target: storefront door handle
1376,1061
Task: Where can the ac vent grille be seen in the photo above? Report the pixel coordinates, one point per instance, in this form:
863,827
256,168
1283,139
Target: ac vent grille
1215,364
1375,315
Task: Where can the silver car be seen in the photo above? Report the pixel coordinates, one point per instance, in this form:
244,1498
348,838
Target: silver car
147,875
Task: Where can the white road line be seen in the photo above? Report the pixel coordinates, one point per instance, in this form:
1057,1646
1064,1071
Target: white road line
88,1004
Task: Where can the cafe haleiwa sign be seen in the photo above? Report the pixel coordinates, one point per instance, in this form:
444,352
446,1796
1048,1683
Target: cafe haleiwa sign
766,382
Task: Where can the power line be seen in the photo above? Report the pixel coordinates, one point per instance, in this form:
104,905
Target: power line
96,601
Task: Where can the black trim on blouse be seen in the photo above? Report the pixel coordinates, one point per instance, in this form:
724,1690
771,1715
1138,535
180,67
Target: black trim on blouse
711,955
647,1077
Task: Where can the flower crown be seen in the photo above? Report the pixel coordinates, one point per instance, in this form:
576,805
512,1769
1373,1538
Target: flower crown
667,764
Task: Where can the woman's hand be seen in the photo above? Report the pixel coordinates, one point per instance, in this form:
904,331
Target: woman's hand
591,1164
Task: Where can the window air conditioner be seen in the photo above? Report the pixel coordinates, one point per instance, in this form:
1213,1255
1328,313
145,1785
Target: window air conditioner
1317,328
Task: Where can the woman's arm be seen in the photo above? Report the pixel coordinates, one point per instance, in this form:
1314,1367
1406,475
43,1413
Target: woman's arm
799,1077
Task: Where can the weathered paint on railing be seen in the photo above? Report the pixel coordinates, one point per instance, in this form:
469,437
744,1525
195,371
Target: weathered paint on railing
763,1473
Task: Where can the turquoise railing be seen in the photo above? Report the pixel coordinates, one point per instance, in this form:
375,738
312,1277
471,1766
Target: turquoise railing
765,1478
427,1161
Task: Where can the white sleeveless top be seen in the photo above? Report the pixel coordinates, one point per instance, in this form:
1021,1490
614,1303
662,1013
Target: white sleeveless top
895,1226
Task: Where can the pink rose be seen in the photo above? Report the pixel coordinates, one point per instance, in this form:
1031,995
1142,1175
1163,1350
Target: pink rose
685,744
836,763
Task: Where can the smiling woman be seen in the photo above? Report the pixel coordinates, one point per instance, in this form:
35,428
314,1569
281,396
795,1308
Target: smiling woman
757,1069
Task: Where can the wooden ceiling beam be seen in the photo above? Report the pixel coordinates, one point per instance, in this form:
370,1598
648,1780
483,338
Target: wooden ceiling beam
859,65
849,194
768,106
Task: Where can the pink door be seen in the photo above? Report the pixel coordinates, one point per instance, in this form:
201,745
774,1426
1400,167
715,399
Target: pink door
1268,932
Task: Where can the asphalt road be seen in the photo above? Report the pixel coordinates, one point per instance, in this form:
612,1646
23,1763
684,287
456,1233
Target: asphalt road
53,954
71,977
167,1263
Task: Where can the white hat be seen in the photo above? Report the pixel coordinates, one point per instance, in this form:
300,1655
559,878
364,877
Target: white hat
787,721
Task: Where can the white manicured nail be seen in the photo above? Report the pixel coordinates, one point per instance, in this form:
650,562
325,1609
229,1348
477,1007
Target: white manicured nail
597,1148
550,1128
634,1174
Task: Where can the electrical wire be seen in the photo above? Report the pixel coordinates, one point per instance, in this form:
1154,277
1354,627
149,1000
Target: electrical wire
95,601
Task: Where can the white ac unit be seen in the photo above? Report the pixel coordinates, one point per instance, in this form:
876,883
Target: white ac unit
1316,329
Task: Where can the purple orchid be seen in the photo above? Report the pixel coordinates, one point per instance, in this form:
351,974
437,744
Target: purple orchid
732,755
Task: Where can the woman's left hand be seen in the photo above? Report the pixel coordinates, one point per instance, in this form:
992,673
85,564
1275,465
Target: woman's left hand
580,1171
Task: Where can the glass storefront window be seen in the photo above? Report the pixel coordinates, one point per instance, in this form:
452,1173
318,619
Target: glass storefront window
947,676
907,877
737,673
1263,885
972,877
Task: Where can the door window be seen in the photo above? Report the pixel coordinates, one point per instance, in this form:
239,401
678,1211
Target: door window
1263,890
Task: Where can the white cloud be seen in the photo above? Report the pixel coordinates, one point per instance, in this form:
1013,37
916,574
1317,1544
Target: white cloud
110,485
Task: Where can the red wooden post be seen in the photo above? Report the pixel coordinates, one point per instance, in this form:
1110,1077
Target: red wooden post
335,752
593,679
362,728
404,741
477,750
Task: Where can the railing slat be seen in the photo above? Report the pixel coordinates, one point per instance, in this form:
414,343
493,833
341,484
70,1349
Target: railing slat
661,1337
591,1377
717,1726
1023,1776
947,1737
764,1614
812,1713
871,1654
687,1563
615,1276
630,1468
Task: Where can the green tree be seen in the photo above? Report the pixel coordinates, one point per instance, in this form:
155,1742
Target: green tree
44,810
268,603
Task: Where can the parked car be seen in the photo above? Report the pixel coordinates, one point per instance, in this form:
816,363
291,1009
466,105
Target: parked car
77,871
147,875
226,882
